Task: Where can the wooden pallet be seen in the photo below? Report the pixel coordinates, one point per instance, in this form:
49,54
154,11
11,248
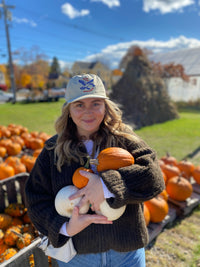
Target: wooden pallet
196,187
155,229
185,207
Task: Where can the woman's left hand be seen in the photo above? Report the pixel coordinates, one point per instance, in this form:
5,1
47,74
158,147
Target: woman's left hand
92,192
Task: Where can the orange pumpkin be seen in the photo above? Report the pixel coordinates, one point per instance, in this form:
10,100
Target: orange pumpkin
36,143
179,188
10,252
5,220
5,142
112,158
158,209
186,168
18,139
146,213
79,180
164,194
170,171
15,209
28,161
6,171
13,149
3,151
16,163
1,237
24,240
44,136
3,248
5,132
196,174
37,152
11,236
170,160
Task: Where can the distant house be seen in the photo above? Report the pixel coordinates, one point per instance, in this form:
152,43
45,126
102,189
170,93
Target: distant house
97,68
178,89
2,82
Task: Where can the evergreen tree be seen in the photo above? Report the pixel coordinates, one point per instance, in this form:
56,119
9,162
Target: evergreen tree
55,69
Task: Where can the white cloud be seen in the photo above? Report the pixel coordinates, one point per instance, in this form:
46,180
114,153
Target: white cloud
24,20
112,54
72,13
109,3
166,6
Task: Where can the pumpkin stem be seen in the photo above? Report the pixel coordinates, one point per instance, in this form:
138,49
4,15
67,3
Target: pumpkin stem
87,164
94,161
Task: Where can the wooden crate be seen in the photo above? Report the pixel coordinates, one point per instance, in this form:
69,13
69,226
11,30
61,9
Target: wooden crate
155,229
185,207
11,191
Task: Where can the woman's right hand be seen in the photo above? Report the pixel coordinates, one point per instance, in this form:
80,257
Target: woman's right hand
78,222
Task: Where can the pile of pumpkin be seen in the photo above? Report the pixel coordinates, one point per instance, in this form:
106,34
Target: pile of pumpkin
19,149
177,176
16,230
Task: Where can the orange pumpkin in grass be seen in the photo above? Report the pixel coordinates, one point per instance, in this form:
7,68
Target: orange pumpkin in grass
112,158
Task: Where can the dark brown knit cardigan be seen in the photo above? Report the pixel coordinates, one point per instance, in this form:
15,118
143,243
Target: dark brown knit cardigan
131,186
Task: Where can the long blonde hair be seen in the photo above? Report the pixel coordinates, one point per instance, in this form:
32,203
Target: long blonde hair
68,145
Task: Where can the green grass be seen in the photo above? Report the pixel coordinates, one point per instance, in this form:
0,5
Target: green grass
179,137
34,116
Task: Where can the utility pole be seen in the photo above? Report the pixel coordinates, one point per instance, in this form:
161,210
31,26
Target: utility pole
7,16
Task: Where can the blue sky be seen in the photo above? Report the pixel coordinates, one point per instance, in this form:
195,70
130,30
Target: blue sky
102,30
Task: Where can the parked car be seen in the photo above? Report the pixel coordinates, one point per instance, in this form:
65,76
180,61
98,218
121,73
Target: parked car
5,97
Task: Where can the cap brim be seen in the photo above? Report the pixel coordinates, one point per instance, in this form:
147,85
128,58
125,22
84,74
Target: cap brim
86,96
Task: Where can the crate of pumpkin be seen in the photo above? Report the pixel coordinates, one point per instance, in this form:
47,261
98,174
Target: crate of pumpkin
18,238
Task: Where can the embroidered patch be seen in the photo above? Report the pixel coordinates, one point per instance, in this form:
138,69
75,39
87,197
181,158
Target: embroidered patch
87,85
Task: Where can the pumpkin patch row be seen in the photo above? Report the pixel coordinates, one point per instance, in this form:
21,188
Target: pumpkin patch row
19,149
177,176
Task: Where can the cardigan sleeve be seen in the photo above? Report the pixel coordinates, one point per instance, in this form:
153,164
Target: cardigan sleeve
138,182
40,201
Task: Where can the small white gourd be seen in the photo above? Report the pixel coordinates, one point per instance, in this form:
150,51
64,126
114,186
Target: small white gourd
64,206
110,213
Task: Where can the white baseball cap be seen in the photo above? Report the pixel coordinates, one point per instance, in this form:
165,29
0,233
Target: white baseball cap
84,86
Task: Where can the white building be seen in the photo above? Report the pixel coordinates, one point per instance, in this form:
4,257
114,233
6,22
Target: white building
178,89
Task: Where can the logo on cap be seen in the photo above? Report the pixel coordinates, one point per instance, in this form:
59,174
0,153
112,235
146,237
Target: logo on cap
87,85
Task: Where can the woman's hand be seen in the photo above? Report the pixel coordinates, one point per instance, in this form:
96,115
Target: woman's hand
79,222
92,192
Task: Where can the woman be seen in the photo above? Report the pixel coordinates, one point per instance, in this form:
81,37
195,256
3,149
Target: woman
89,123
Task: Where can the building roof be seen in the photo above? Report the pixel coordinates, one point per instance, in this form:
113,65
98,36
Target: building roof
188,58
88,65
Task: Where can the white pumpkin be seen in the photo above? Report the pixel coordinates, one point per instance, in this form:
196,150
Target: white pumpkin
110,213
64,206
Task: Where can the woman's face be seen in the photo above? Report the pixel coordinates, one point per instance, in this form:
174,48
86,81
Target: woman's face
87,114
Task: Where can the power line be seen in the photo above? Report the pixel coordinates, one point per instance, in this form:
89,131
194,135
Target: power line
76,27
